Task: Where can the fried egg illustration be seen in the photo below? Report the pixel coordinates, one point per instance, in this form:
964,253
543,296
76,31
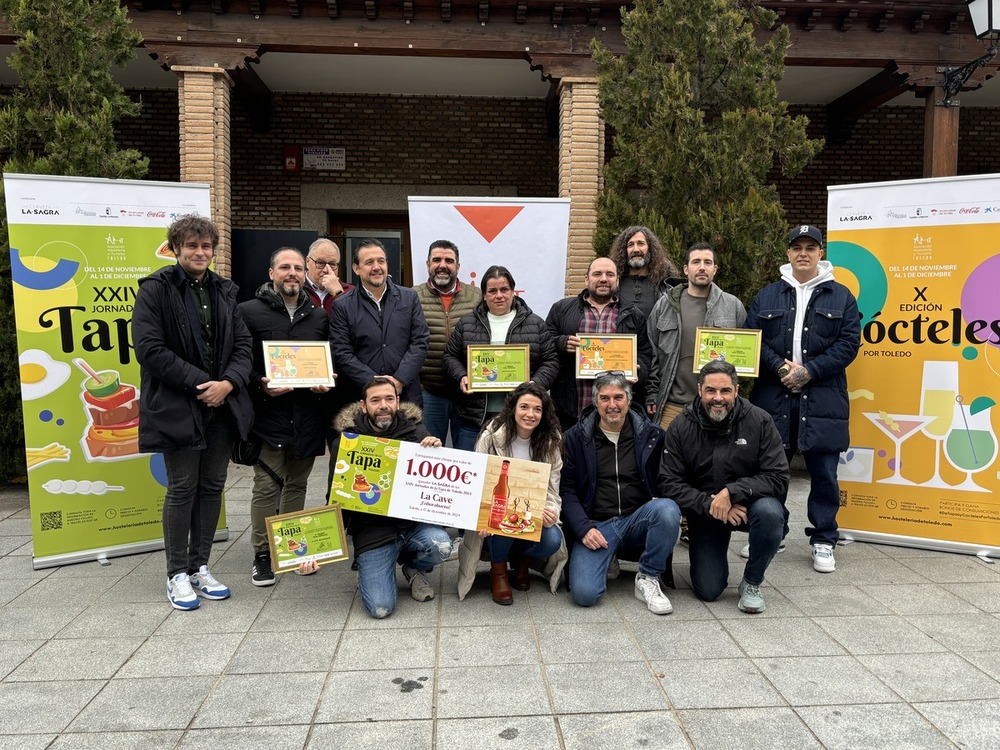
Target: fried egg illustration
40,374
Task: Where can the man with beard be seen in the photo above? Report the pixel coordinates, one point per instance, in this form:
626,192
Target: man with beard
291,422
672,327
610,461
724,465
380,541
595,311
644,270
378,328
444,300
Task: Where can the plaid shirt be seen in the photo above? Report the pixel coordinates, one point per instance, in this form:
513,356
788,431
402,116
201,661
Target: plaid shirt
594,322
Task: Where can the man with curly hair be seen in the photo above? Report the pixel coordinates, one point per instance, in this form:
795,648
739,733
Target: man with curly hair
644,270
195,357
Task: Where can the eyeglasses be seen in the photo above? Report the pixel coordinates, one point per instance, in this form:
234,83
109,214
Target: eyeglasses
323,263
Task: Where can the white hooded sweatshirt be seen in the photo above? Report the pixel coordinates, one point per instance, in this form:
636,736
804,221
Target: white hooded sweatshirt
803,293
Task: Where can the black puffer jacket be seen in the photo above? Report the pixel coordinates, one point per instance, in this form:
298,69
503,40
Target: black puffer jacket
474,328
171,418
563,321
300,417
743,453
370,531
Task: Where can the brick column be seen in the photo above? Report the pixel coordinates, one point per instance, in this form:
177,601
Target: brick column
581,156
203,98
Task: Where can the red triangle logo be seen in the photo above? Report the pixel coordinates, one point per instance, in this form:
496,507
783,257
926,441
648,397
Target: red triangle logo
489,221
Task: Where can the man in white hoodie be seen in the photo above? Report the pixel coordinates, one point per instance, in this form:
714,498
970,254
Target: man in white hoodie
811,333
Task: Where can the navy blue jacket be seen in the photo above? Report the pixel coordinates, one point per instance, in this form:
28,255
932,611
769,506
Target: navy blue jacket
366,342
578,482
831,337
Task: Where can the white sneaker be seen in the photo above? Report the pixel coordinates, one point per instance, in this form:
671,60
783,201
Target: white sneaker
823,561
180,593
420,588
647,589
751,600
745,552
206,585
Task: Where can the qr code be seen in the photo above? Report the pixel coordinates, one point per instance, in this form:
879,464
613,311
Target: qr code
52,521
843,498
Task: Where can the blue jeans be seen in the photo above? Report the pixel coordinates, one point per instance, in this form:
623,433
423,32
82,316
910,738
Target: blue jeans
467,434
421,547
439,416
193,502
824,490
709,545
654,527
502,546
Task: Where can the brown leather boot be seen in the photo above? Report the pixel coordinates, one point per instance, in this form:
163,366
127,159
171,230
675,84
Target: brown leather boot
519,577
499,584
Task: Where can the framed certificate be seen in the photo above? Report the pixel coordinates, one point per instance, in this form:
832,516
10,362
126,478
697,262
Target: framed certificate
740,347
298,364
606,352
312,534
493,367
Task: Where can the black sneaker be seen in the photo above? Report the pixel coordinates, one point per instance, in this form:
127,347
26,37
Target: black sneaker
262,574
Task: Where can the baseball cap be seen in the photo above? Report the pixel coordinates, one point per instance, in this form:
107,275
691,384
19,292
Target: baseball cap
805,230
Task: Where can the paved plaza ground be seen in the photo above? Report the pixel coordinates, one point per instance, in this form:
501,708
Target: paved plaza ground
900,648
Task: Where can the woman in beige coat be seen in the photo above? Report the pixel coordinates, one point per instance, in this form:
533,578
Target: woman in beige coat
526,428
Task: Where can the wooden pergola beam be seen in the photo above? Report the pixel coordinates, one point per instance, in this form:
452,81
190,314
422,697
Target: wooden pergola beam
430,35
254,96
843,113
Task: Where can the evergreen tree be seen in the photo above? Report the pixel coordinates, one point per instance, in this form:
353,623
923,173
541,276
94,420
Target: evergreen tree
697,126
59,120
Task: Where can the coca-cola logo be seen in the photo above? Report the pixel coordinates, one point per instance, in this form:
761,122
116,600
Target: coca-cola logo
156,214
972,210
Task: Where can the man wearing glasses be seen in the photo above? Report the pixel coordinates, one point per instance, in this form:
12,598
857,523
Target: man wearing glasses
323,284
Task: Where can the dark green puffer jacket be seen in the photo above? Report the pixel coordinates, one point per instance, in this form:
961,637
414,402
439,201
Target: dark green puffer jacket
432,375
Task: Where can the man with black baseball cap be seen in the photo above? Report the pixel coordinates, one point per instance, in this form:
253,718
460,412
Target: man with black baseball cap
811,333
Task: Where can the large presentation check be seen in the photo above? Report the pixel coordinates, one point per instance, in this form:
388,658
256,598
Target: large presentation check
440,485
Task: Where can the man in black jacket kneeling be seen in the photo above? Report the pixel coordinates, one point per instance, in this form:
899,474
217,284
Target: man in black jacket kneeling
380,542
723,463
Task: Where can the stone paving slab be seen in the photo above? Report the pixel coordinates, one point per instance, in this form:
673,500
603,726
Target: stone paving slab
898,648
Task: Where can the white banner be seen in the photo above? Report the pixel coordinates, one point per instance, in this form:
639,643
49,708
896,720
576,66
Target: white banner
529,236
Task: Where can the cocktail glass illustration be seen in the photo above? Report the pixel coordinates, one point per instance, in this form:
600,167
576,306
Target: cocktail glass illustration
938,390
971,445
898,428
